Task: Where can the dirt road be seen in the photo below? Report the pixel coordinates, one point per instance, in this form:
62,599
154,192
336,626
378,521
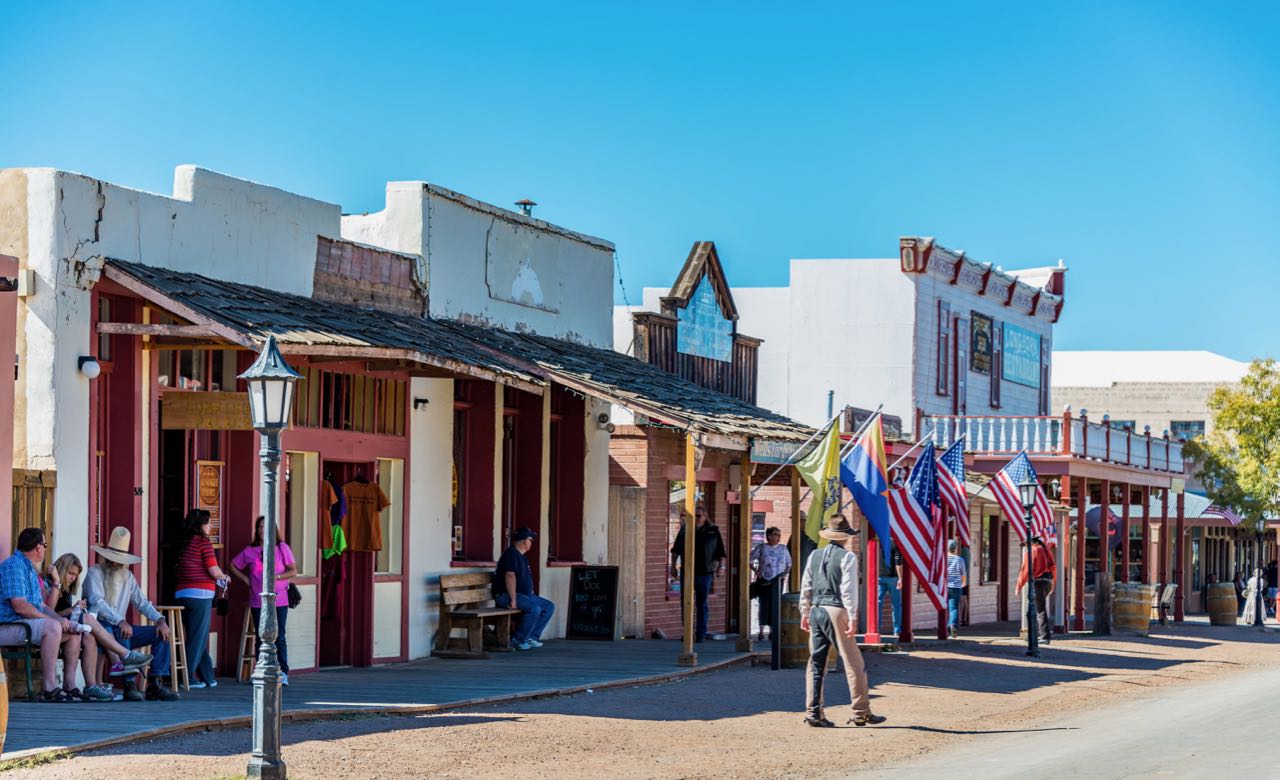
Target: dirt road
742,722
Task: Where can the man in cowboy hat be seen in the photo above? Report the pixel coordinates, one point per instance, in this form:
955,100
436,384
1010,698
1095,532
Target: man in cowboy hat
829,612
110,589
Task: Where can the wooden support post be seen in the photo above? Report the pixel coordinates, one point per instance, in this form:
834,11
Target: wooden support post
1104,534
744,556
908,588
1162,566
1179,559
1124,530
687,656
1082,507
872,634
1146,535
797,533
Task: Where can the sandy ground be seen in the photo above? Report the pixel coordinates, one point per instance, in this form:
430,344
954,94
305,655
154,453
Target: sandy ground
740,722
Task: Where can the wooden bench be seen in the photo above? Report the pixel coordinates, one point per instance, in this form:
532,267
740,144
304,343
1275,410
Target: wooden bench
26,652
466,603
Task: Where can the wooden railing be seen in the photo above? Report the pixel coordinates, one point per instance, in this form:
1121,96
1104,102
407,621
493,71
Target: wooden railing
1065,435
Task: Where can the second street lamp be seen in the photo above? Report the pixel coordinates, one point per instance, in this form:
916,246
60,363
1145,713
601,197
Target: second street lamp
1027,492
270,381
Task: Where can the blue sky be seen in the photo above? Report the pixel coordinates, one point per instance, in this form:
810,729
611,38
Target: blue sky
1136,141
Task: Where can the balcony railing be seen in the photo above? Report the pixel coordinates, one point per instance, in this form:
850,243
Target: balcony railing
1065,435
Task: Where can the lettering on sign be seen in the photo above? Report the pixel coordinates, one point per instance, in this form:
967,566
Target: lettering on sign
593,602
201,411
209,495
1021,356
980,343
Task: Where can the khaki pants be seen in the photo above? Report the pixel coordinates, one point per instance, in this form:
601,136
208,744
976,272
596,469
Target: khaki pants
827,626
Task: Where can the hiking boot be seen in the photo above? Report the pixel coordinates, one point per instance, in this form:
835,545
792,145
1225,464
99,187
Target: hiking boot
131,692
158,692
868,719
132,662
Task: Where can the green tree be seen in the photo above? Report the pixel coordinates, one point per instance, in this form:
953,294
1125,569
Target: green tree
1239,461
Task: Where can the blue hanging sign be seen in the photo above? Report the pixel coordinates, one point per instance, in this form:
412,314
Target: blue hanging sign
1021,356
703,330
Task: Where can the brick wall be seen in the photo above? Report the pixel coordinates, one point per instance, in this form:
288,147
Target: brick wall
370,278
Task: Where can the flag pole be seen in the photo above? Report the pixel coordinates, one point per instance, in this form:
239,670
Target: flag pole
792,458
853,439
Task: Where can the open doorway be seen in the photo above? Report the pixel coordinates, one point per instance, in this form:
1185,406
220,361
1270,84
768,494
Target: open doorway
346,582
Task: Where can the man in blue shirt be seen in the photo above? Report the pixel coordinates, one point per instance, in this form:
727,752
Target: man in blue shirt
513,587
21,601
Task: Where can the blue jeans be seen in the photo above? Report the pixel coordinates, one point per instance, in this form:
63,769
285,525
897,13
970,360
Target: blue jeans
702,589
148,637
890,585
195,622
537,614
953,606
282,647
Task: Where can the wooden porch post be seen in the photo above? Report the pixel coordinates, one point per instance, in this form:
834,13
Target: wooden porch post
1082,506
908,588
797,533
1104,535
1162,566
1124,530
1146,535
687,656
744,556
1179,557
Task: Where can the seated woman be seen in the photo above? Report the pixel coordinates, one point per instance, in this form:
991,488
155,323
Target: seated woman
62,586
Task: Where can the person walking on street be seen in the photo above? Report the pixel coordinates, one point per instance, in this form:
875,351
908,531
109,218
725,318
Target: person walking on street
890,584
1045,572
829,612
708,558
957,578
771,561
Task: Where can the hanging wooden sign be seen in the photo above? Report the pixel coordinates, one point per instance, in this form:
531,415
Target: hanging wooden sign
208,495
205,411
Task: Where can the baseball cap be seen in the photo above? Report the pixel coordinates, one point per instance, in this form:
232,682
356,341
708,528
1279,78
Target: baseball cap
520,534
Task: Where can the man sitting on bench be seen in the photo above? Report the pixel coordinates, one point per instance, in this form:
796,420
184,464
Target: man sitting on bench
22,602
513,588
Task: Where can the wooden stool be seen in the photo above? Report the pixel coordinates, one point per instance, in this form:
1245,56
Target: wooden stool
248,648
177,647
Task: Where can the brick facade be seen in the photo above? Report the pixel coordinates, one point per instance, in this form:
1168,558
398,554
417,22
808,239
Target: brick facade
368,277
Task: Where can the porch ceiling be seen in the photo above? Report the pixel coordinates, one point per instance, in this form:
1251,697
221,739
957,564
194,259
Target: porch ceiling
245,315
637,386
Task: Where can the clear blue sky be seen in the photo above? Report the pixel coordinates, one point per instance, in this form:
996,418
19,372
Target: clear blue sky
1137,141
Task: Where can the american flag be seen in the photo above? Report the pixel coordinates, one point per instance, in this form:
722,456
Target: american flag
1224,513
951,488
915,526
1005,488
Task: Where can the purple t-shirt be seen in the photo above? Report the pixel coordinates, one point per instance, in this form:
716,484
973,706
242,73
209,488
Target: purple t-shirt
251,557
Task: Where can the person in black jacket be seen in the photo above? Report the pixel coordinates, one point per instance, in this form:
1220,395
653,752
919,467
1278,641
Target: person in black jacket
708,559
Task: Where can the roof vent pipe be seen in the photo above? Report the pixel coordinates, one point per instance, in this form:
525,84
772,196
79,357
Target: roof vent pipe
526,206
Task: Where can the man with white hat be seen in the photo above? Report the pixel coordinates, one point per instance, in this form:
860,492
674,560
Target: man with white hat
110,589
829,611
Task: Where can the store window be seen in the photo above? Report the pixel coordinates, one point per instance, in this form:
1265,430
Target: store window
568,451
391,481
989,544
350,402
302,487
473,443
1186,430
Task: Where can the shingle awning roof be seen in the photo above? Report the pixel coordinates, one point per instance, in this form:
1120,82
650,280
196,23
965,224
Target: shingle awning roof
636,385
243,314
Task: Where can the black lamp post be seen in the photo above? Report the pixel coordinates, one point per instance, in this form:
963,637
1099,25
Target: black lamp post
270,381
1027,492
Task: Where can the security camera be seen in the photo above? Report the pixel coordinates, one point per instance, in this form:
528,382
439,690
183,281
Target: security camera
602,420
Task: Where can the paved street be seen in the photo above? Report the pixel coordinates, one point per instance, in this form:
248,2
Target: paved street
1198,731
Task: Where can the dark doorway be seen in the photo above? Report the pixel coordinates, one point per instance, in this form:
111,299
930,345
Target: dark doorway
346,585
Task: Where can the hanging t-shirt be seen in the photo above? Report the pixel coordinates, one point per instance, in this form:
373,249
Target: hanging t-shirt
365,501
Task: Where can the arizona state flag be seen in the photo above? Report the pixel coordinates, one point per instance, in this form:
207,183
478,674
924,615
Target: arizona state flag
821,472
867,478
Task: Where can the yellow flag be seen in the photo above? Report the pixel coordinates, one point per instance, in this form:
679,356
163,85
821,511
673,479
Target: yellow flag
821,472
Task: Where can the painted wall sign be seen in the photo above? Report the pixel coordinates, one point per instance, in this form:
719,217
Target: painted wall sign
522,266
1021,356
980,347
703,329
209,495
199,411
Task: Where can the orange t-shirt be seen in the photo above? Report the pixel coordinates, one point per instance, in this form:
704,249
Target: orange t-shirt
365,501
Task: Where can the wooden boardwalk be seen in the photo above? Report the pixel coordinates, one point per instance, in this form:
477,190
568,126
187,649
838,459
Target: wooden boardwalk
560,666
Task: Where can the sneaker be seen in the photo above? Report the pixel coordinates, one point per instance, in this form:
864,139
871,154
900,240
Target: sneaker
212,683
523,645
284,678
158,692
819,722
868,719
99,693
118,670
132,662
952,633
533,642
197,685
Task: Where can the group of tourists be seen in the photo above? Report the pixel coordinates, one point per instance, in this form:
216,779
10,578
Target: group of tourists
62,609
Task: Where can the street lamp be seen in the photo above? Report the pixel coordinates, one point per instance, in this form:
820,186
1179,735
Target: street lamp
1027,492
270,381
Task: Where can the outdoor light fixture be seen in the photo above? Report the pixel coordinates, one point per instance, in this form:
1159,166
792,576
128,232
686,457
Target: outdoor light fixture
602,420
418,403
1027,492
271,382
90,367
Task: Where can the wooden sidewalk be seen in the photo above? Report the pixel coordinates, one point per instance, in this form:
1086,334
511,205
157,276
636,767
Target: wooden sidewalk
419,686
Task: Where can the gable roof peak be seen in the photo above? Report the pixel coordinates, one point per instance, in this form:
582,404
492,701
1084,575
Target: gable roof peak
703,261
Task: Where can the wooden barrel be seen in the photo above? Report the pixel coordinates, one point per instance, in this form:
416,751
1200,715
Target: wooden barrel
795,642
1222,604
1131,607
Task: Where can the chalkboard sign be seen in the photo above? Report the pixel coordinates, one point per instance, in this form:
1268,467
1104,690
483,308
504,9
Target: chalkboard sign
593,602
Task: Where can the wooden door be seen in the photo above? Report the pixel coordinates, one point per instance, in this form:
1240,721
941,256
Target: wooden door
626,551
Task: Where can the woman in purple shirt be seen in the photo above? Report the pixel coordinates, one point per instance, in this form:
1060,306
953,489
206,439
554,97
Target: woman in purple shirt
247,567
